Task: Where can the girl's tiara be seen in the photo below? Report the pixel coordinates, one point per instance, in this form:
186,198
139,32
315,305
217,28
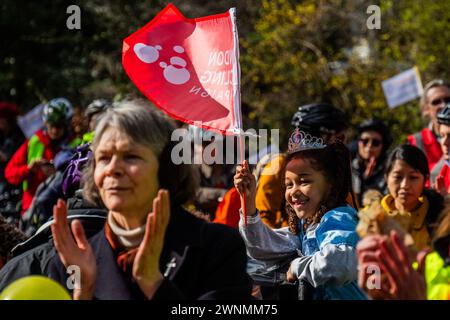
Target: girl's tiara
300,141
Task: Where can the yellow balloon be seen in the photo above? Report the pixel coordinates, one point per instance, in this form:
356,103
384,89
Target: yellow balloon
35,288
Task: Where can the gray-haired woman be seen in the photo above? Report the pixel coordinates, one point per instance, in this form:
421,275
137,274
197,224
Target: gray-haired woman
150,247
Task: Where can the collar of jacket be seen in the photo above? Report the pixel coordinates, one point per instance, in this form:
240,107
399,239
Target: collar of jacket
416,218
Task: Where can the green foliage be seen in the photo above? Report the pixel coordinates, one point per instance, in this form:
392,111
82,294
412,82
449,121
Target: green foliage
289,59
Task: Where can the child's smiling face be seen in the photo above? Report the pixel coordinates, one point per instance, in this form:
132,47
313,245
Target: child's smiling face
306,188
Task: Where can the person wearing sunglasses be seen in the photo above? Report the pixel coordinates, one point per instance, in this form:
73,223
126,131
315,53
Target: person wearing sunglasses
436,94
368,165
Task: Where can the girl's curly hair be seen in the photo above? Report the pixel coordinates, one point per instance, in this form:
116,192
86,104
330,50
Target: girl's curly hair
334,162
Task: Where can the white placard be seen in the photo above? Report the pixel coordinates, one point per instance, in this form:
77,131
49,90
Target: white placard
404,87
32,121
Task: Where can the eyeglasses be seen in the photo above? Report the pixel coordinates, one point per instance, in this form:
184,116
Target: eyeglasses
440,101
375,142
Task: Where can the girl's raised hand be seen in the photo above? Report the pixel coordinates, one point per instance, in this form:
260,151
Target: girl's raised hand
245,182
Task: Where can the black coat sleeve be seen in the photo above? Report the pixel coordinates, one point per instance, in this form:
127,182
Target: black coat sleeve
224,272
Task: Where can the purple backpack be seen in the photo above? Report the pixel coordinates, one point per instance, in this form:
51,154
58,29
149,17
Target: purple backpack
73,173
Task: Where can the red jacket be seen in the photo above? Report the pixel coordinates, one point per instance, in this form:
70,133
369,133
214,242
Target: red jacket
428,143
16,171
445,173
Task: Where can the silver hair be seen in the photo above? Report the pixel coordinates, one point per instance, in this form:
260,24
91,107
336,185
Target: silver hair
430,85
148,126
143,124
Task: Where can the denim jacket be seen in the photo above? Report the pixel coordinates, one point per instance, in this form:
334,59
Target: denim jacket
326,251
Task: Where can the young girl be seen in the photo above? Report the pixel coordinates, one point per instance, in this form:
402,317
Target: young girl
321,230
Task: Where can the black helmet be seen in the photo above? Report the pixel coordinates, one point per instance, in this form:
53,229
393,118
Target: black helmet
443,117
377,126
320,118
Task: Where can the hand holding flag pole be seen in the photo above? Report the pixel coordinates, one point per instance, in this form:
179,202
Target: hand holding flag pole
237,103
242,160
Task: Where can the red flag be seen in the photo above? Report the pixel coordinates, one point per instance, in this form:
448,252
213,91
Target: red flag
188,68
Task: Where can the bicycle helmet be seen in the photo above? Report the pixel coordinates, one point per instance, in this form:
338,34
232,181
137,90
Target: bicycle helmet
57,111
318,118
97,106
443,117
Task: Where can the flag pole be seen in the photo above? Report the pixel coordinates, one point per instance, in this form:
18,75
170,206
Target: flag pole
237,102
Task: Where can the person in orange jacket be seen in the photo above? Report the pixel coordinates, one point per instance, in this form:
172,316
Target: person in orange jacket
32,162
